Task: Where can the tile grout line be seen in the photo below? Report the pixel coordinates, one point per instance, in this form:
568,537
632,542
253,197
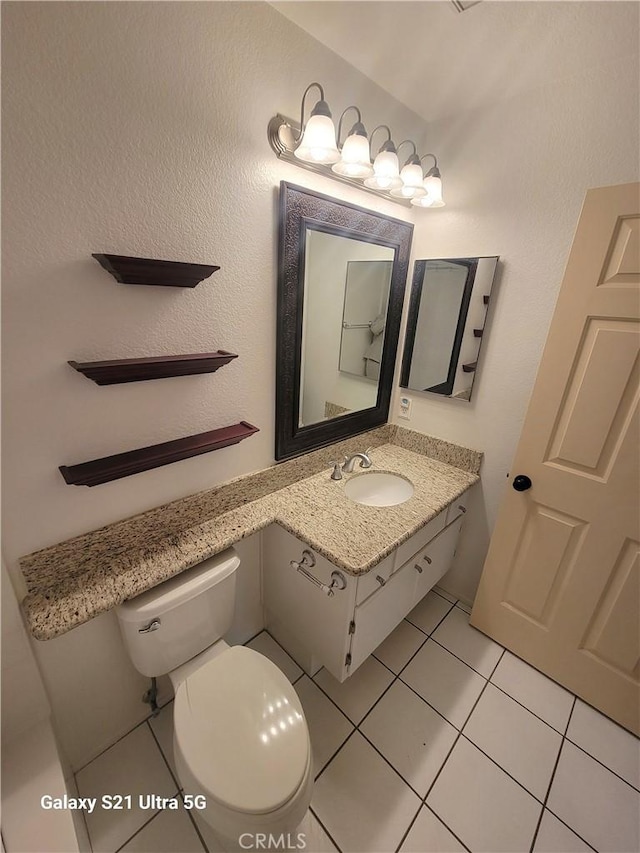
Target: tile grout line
86,826
537,716
177,781
500,767
164,758
564,823
439,819
553,773
283,650
437,625
194,824
477,672
107,748
146,823
329,760
602,764
326,831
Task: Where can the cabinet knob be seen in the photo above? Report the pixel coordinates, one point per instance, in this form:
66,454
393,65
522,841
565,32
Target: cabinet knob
521,483
427,559
380,580
418,568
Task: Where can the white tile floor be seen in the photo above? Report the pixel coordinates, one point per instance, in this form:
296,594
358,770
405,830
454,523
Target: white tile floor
440,742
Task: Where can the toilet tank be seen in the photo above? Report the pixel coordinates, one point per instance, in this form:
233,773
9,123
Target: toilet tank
176,620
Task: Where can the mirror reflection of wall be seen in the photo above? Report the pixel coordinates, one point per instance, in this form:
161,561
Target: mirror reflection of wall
445,325
363,319
443,291
327,389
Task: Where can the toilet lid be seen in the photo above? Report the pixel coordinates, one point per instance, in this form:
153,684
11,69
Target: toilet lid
240,727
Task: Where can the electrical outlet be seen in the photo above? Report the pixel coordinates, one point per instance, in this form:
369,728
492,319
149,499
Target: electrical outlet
405,408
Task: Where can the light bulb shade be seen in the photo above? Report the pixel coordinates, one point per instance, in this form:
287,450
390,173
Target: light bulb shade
425,201
411,175
386,172
355,161
412,182
433,186
318,143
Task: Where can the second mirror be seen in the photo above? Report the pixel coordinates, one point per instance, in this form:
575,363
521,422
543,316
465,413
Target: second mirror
445,325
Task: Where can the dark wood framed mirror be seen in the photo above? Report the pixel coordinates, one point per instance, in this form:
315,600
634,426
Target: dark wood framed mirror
331,303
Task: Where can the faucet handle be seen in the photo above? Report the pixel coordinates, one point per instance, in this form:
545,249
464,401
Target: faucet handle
364,464
337,471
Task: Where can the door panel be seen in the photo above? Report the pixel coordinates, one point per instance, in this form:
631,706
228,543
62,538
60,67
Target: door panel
561,583
547,550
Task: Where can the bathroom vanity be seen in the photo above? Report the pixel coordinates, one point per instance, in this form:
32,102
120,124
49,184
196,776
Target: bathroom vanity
377,550
326,617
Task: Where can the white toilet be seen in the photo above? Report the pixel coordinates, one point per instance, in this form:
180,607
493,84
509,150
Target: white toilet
240,736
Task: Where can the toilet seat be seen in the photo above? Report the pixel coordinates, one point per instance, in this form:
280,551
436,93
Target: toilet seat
240,728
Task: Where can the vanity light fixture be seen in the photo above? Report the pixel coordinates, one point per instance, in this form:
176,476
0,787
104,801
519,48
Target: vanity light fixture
317,141
411,176
386,167
433,187
355,159
316,146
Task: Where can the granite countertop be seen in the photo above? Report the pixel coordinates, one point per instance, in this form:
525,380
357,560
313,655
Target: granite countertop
70,583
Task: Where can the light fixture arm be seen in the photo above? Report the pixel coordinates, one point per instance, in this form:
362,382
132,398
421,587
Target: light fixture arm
357,128
388,144
433,171
321,108
413,158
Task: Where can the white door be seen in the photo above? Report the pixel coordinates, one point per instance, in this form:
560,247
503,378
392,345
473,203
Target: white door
561,583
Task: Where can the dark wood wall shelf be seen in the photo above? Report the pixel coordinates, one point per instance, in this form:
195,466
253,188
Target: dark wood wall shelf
145,458
157,367
128,270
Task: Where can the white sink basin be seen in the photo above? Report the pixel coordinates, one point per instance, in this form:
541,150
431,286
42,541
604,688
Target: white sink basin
378,488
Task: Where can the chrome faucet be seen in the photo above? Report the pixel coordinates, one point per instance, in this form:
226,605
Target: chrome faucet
350,461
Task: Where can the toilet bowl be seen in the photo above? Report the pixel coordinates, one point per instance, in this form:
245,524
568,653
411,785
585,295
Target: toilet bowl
241,742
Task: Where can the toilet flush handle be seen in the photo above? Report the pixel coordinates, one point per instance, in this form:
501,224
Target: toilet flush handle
152,626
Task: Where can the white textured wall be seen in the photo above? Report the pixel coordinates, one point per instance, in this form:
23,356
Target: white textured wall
140,129
24,702
515,177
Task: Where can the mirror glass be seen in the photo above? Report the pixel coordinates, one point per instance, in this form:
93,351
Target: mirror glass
446,324
341,280
346,296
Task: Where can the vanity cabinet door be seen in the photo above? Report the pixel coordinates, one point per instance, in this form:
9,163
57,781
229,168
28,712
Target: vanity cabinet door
434,560
376,618
319,621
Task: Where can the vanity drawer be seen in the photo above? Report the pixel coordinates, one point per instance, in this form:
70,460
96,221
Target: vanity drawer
419,540
434,560
369,583
456,509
